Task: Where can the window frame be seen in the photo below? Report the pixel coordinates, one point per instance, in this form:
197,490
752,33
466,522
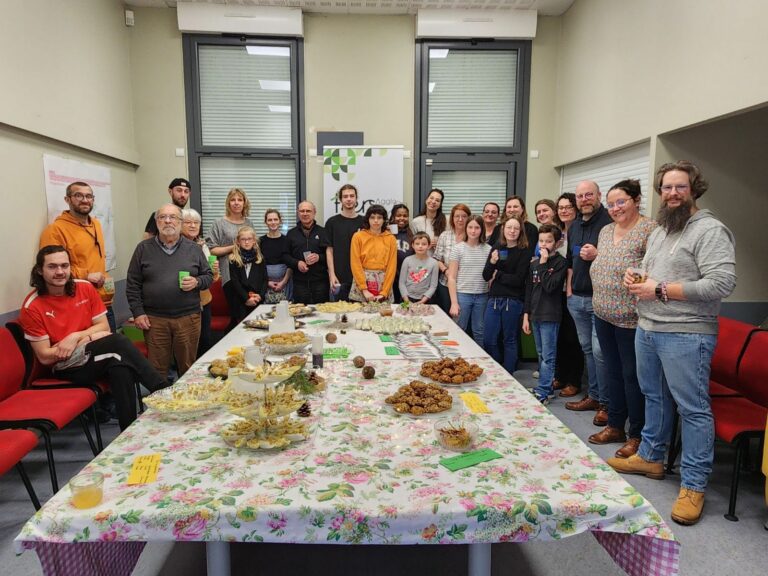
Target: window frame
195,147
471,157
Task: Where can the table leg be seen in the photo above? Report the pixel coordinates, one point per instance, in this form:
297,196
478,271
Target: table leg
479,563
217,558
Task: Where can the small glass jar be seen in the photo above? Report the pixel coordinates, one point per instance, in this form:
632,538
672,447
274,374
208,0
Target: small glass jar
87,489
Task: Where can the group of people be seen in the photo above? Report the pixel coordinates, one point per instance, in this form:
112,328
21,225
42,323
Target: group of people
633,300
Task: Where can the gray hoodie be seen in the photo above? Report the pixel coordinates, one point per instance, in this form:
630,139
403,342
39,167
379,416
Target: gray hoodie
702,258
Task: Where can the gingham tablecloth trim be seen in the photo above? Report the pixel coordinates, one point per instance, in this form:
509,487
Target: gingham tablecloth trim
642,555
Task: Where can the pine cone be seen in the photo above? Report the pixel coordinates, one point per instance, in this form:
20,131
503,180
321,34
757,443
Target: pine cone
305,410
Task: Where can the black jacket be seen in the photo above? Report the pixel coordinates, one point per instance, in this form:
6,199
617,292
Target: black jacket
580,233
256,281
544,289
315,240
511,273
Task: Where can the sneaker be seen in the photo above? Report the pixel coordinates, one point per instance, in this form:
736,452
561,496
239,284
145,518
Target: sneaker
637,465
535,374
543,399
688,506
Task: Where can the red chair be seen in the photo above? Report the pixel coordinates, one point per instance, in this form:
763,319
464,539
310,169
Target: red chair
739,419
732,339
14,445
220,316
45,410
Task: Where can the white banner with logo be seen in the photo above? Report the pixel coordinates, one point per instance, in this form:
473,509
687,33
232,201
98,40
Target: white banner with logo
60,173
376,172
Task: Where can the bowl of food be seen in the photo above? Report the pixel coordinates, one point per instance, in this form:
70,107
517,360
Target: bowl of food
285,343
456,434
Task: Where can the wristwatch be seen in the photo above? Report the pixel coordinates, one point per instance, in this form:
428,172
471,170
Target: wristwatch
659,293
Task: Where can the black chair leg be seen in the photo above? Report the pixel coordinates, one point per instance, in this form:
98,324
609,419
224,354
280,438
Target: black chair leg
97,427
735,483
141,400
28,486
674,444
87,430
49,454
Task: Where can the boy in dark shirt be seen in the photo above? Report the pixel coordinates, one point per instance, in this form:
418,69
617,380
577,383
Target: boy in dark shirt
543,309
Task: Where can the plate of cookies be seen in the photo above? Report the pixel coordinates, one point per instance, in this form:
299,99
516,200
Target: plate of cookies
452,371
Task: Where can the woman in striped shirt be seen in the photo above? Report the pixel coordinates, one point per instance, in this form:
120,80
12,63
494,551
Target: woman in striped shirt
468,290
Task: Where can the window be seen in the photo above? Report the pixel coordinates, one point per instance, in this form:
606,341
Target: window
244,118
609,169
472,120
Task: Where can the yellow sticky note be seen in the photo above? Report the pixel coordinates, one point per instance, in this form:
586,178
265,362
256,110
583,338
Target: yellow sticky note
474,403
144,469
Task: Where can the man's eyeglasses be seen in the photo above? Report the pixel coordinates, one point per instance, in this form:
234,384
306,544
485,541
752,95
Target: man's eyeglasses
585,196
620,203
80,197
168,218
667,188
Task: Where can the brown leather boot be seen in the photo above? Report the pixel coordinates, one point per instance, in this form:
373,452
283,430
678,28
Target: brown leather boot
608,435
557,385
688,507
629,449
601,418
569,391
636,465
583,405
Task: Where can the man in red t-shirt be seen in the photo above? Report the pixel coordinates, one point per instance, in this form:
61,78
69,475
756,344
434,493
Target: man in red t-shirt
65,321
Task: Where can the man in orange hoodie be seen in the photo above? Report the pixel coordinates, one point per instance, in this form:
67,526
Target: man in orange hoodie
82,237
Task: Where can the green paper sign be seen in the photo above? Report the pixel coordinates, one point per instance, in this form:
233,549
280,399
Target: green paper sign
338,353
319,321
469,459
386,338
391,350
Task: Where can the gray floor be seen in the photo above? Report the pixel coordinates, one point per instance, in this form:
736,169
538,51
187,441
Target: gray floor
714,546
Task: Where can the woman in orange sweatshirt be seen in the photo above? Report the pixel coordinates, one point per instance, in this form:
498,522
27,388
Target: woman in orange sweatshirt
373,258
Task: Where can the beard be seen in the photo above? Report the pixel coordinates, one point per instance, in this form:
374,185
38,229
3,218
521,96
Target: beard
673,220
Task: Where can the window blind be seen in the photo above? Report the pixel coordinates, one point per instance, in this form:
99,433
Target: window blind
609,169
471,99
471,187
267,183
245,99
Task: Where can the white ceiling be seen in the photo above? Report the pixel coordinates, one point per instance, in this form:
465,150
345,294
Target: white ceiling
544,7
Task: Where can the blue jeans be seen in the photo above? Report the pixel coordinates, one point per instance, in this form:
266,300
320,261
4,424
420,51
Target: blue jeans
673,367
624,396
580,308
502,316
545,335
472,307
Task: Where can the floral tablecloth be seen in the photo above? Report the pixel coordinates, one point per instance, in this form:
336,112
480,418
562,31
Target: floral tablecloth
366,476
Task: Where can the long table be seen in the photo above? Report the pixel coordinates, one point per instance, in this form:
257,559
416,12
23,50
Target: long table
366,475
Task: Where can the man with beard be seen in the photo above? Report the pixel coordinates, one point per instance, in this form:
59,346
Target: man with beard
307,257
582,251
82,237
165,277
179,191
690,266
65,321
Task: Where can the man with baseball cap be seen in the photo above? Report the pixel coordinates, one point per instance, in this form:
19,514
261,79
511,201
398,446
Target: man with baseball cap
179,191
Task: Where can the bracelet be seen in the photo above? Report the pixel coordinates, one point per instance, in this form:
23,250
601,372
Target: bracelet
664,295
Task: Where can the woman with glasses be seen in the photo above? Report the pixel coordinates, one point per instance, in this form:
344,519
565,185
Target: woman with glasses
190,229
622,245
221,237
570,359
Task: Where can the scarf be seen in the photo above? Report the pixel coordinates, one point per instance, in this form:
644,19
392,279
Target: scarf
248,256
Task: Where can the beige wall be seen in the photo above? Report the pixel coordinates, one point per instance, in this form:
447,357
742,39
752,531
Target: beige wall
359,76
630,70
731,154
157,87
41,112
64,67
543,180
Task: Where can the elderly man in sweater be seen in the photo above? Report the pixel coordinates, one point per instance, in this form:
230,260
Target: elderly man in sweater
165,277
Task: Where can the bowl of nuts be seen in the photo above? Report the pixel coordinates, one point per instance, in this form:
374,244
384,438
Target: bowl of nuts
456,434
